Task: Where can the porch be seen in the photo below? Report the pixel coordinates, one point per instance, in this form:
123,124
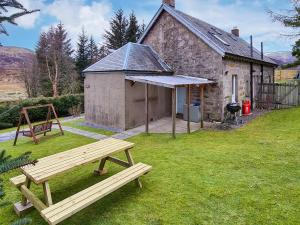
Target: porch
173,124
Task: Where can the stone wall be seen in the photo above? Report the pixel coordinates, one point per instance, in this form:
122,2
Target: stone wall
242,70
188,55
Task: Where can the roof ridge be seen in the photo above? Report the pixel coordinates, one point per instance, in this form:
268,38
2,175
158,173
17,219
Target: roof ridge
159,59
127,55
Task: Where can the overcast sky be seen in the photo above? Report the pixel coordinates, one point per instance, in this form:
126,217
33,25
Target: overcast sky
94,15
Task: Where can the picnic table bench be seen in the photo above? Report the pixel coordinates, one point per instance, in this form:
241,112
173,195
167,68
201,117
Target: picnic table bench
53,165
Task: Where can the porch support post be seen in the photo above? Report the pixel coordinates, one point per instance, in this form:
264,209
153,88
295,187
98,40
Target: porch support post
202,104
147,108
188,96
174,112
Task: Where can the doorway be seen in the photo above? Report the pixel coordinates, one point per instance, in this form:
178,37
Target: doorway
180,100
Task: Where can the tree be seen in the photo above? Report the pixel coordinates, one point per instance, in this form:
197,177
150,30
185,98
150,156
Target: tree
15,5
116,36
133,29
141,30
8,163
57,68
103,51
291,19
93,51
82,55
30,74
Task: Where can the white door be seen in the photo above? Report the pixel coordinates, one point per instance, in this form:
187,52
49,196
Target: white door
181,99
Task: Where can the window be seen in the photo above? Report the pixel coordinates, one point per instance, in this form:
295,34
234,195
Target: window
234,89
221,40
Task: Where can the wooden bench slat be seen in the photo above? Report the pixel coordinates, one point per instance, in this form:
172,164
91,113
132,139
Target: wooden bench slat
68,207
18,181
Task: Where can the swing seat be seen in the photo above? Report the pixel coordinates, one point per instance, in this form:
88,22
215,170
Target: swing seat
39,129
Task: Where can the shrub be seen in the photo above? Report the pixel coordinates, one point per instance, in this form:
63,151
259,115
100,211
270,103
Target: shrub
9,111
5,125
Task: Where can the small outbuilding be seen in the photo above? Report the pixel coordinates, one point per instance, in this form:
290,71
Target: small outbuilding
113,101
133,86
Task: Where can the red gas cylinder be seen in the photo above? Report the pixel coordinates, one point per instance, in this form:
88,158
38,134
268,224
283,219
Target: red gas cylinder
246,107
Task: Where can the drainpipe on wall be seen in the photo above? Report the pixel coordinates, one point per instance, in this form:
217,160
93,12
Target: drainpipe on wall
251,74
261,70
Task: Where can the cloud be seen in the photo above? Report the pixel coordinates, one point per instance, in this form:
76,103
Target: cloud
75,15
30,20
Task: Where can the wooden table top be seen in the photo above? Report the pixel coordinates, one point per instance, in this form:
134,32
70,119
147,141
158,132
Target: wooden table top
53,165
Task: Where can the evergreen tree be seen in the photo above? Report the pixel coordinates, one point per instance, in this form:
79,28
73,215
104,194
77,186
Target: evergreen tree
103,51
16,6
291,19
6,164
82,55
296,51
93,51
141,30
116,36
133,29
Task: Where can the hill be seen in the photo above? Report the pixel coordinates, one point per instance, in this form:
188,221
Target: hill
14,62
282,58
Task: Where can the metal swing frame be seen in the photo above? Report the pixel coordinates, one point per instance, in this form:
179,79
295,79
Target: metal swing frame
42,128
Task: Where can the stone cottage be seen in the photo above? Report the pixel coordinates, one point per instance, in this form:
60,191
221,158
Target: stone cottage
194,47
191,47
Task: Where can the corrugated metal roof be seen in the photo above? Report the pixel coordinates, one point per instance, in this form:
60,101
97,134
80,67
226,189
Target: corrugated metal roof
131,57
170,81
221,41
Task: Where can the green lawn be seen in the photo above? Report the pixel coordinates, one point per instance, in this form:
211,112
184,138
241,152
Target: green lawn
74,124
77,124
245,176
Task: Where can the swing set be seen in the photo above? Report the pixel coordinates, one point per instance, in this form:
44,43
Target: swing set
42,128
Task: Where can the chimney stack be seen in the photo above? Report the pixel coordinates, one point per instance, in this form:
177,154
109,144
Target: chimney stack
235,31
169,2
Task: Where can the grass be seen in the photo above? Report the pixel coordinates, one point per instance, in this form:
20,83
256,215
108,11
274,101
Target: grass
246,176
73,123
77,124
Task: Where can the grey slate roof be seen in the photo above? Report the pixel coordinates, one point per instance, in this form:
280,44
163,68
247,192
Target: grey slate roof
131,57
221,41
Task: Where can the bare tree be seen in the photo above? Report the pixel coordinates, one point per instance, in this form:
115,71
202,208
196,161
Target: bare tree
30,76
290,19
54,53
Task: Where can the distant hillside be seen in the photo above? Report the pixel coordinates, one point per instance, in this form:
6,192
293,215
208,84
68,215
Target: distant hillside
282,58
13,62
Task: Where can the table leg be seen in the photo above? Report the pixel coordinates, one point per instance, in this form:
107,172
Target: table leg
47,194
101,170
24,199
131,163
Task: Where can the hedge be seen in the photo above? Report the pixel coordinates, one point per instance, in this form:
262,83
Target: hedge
64,105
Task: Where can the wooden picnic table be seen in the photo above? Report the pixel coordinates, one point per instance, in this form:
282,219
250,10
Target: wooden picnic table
49,167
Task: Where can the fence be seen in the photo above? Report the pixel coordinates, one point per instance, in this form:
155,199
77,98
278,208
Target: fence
276,96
